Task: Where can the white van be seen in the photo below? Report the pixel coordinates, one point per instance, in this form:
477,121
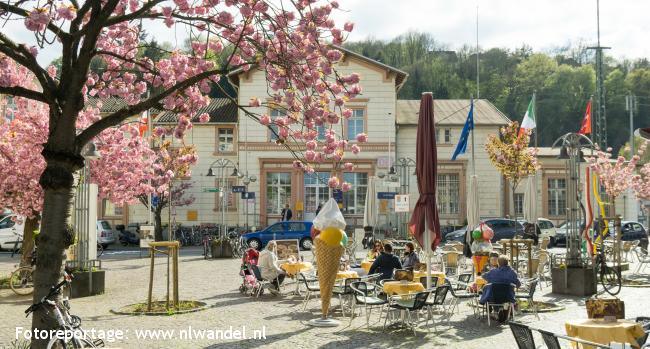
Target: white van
11,231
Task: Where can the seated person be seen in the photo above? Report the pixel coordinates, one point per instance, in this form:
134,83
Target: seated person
411,258
386,263
493,262
375,251
502,275
269,266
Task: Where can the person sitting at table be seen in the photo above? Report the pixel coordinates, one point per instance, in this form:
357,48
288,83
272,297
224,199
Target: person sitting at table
375,251
493,262
411,258
501,275
386,263
269,266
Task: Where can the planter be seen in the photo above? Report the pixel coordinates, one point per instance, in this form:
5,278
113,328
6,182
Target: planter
80,283
574,281
219,251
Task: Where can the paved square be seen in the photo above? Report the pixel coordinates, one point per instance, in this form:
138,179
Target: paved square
216,282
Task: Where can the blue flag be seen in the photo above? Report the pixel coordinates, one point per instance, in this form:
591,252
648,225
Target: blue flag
464,135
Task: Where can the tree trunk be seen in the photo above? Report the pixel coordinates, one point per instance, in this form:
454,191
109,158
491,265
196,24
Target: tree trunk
157,213
31,224
53,239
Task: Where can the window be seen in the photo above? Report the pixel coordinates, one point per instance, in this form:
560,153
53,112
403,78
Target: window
7,223
316,190
447,135
111,209
278,191
297,226
519,203
321,132
230,199
354,201
225,140
437,135
355,124
275,113
277,228
448,193
556,196
106,225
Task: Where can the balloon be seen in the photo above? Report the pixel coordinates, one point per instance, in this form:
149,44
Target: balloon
488,233
344,240
331,236
476,234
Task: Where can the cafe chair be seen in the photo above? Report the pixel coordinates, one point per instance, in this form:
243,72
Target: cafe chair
439,296
372,280
644,321
499,294
523,335
627,248
434,281
411,305
261,283
459,295
552,341
644,261
363,295
344,291
311,286
528,296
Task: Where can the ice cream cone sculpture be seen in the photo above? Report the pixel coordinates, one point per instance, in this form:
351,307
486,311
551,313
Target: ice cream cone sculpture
328,254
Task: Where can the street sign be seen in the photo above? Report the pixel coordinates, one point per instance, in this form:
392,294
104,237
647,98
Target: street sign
387,195
238,188
337,194
392,184
154,201
211,190
402,203
248,195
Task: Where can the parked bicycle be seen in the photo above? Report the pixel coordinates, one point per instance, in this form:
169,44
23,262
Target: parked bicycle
207,246
65,321
608,276
21,280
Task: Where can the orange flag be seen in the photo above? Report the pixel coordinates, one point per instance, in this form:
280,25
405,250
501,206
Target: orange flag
143,125
586,121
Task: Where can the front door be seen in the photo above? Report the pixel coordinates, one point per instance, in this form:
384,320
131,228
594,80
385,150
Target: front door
316,192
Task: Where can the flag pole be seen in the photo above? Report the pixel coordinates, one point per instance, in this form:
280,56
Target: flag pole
472,131
536,116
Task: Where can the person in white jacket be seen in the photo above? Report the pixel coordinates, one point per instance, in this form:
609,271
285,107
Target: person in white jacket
269,266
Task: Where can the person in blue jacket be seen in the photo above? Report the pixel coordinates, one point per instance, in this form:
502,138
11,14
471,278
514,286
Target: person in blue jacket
385,263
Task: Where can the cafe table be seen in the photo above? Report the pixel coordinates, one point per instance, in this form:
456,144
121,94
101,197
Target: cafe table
441,276
346,274
292,269
600,331
366,265
393,288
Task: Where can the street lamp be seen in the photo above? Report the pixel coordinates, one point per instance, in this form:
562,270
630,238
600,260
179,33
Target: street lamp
221,165
246,179
404,164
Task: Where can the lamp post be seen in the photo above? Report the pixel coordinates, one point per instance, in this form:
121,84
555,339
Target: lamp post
221,165
405,165
247,180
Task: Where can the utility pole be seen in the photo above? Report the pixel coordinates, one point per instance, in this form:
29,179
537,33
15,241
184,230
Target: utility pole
600,129
630,105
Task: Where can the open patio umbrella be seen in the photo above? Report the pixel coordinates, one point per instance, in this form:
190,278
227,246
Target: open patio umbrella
530,200
425,222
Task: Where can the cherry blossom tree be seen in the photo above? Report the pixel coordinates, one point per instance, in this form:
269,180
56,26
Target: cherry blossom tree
129,171
289,40
616,176
511,156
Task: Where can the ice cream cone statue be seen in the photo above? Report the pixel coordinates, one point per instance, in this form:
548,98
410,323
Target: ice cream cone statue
481,246
328,255
329,248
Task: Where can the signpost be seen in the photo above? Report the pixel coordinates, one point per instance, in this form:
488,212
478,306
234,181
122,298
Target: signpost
402,203
211,190
386,195
248,195
238,188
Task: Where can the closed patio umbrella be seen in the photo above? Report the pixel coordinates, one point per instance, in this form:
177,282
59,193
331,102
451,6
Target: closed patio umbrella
370,212
530,200
473,214
425,222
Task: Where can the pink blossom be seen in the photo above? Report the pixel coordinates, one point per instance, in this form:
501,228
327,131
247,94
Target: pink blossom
348,26
355,149
362,137
205,117
254,102
346,186
348,166
333,182
265,120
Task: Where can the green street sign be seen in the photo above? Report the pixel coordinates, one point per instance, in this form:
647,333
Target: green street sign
211,190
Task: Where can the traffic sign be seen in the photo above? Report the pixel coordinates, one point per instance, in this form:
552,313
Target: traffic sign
211,190
248,195
402,203
385,195
238,188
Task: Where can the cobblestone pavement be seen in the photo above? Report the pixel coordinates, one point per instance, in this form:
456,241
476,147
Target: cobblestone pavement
285,325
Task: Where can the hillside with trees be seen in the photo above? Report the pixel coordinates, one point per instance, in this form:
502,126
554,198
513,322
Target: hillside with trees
564,78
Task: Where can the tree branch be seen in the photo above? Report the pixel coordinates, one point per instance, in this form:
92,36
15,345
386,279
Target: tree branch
7,7
23,92
120,115
22,56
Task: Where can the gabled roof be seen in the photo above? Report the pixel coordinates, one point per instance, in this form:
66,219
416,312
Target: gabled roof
221,110
400,75
451,112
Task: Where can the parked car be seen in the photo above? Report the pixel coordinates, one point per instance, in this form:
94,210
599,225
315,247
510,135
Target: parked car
503,229
11,232
546,228
454,235
631,231
298,230
561,232
105,234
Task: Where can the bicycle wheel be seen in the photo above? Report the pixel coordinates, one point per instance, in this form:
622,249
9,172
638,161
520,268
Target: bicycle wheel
610,278
100,250
71,343
21,281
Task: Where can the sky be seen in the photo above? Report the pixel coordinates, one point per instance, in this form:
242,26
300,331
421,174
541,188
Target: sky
542,25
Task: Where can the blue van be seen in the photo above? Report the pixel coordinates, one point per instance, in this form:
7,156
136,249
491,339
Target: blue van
289,230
